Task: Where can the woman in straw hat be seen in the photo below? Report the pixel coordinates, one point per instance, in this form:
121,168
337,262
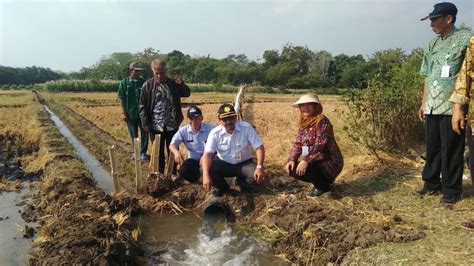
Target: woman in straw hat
320,158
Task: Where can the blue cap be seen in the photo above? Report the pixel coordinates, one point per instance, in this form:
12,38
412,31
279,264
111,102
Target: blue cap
442,9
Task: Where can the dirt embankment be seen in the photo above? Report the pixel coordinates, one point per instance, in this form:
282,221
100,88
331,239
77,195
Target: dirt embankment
76,222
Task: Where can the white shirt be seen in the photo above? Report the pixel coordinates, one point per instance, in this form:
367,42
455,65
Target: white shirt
236,147
193,141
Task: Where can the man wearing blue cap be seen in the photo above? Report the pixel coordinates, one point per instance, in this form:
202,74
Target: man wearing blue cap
442,61
194,137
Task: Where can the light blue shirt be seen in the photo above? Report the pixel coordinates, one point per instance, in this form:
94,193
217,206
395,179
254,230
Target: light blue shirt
193,141
236,147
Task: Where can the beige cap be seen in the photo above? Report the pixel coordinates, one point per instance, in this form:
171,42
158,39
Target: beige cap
307,98
134,66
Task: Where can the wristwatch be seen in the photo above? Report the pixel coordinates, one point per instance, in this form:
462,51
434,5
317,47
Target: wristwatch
259,166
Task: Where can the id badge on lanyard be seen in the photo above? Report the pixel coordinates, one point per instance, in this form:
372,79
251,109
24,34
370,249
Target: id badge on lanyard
445,68
238,154
304,150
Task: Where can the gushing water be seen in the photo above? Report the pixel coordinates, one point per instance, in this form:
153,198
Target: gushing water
188,240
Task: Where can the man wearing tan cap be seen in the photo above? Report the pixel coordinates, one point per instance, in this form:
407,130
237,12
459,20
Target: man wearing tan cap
129,94
232,142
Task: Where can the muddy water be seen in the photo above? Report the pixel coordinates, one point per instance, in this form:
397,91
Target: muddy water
13,247
186,239
102,177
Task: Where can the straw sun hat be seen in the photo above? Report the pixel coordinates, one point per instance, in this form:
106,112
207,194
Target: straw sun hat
307,98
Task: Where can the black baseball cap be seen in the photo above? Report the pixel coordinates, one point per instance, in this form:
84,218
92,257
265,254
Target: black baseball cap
194,111
226,110
442,9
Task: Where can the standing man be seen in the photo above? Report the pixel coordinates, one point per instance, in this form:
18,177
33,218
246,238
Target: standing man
442,60
194,136
129,95
462,97
233,142
160,106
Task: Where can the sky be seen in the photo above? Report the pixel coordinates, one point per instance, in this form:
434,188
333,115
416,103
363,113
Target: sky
67,35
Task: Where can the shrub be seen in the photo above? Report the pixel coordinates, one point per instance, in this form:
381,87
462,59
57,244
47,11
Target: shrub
384,115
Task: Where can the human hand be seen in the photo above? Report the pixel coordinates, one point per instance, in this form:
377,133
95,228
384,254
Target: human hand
146,129
457,121
207,182
289,166
178,79
124,118
259,175
301,168
421,113
178,158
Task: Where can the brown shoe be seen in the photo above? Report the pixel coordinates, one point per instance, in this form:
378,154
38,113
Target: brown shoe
468,225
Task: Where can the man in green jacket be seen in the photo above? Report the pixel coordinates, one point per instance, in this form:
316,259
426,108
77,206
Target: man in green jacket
129,95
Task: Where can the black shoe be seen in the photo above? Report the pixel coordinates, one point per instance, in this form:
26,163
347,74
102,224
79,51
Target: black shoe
145,157
218,192
318,193
451,199
427,191
246,187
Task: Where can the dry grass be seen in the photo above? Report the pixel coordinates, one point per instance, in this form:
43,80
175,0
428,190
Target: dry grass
9,98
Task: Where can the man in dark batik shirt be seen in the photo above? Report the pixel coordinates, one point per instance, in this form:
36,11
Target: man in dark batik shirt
160,106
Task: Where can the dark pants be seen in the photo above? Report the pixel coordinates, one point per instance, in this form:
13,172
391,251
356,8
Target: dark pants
133,125
165,140
470,144
313,175
189,170
243,171
444,155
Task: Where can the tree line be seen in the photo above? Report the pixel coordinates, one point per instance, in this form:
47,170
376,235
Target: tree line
295,67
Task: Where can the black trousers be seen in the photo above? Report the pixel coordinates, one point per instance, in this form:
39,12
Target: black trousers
313,175
243,171
470,143
189,170
165,138
444,155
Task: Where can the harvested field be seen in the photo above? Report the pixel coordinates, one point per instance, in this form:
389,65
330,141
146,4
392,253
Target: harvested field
372,216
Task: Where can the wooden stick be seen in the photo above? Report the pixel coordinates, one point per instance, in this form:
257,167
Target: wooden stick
156,155
113,168
169,165
138,164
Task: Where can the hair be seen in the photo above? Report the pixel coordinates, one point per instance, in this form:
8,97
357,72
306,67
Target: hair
158,62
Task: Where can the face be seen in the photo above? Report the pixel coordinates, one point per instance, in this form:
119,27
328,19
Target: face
441,25
134,74
307,109
229,123
159,72
195,122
